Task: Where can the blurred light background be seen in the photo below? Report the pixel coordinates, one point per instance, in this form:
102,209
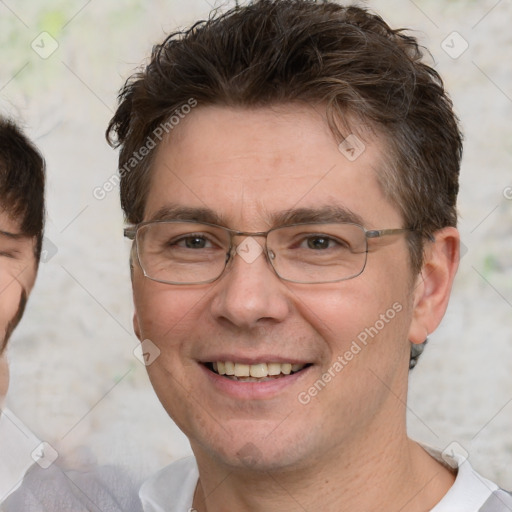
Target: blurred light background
75,381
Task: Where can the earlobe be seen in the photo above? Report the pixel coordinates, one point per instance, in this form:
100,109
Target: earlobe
135,320
136,327
434,283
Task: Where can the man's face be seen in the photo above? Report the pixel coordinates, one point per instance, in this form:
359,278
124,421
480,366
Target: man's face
247,167
17,275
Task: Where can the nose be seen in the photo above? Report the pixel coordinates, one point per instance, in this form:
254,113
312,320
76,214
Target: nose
249,293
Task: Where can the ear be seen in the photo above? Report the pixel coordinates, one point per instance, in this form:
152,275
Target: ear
136,326
434,283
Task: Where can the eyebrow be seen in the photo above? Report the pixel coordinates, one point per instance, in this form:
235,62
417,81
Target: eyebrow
176,212
15,236
324,214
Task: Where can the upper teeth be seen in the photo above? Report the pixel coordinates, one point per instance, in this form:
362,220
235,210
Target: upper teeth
255,370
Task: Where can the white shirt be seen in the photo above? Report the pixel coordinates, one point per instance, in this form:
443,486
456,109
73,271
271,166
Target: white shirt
48,488
18,452
470,490
172,488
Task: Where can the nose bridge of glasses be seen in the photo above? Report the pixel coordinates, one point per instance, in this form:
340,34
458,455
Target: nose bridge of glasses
249,249
234,233
246,237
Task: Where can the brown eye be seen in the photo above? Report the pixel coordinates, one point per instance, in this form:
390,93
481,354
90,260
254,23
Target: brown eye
192,242
319,242
195,242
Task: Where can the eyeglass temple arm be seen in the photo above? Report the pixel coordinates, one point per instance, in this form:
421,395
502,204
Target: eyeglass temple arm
376,233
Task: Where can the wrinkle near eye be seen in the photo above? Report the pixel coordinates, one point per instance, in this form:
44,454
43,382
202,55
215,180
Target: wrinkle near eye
10,254
14,246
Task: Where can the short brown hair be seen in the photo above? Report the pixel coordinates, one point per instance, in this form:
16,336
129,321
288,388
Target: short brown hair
282,51
22,180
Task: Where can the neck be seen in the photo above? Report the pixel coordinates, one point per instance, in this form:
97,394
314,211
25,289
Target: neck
391,474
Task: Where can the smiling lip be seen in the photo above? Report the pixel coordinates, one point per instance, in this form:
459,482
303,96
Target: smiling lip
247,388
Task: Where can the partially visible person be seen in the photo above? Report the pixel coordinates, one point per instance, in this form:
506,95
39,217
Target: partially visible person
22,176
22,179
26,486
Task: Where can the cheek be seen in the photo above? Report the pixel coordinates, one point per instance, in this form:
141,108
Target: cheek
356,315
168,317
9,301
165,313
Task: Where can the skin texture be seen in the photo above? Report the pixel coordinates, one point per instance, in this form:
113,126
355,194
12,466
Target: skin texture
347,449
17,276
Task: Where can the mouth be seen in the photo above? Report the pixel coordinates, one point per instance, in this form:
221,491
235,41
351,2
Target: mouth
259,372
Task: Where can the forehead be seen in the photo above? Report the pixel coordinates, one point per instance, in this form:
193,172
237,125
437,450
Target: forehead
248,165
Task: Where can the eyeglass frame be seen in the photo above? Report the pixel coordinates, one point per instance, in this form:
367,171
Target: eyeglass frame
130,232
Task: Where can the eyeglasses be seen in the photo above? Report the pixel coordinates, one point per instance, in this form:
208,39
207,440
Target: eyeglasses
189,252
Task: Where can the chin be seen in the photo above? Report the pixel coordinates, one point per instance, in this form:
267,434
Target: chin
267,449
